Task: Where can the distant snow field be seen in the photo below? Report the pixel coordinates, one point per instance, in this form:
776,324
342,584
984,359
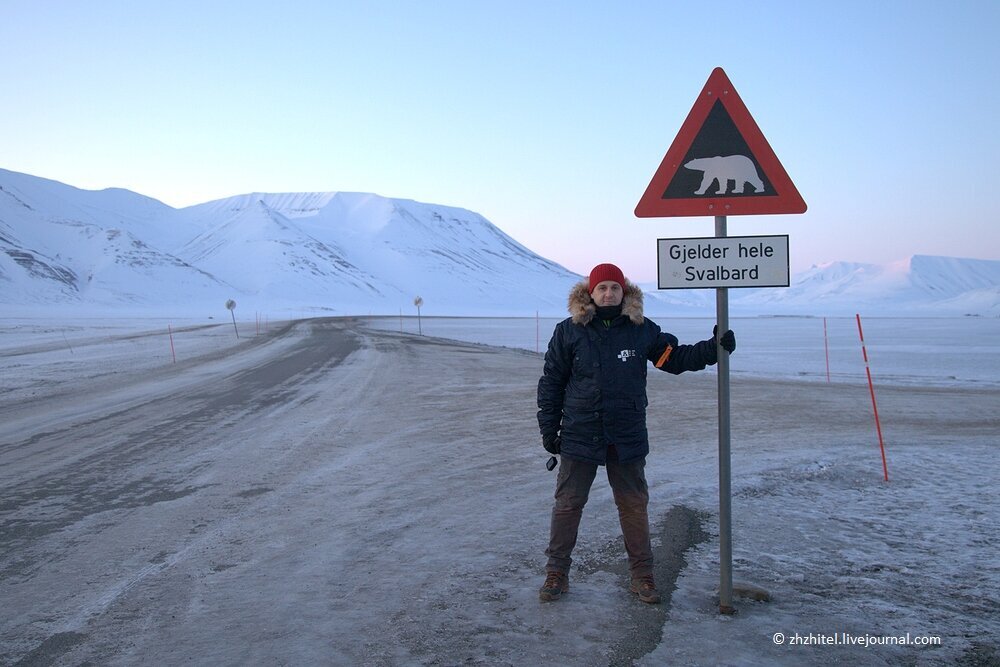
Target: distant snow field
962,351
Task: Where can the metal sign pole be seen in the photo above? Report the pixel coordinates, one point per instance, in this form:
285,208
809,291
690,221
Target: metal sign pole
725,495
720,124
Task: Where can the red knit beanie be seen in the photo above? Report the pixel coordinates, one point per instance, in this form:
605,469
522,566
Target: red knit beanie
603,272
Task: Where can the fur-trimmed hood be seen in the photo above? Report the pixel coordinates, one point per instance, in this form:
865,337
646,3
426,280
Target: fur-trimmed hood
582,308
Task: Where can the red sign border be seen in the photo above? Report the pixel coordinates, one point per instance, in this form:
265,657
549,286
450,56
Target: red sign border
719,87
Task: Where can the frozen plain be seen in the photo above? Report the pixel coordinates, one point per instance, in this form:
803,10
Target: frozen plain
327,493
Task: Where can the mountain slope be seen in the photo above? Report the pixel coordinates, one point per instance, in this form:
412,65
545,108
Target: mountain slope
324,252
63,245
362,252
275,255
917,285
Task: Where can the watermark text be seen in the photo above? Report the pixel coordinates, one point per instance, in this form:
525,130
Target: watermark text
852,639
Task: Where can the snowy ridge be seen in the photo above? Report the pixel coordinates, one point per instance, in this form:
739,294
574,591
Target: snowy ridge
326,252
357,253
918,285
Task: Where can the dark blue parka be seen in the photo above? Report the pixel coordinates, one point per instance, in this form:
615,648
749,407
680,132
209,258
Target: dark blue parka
593,389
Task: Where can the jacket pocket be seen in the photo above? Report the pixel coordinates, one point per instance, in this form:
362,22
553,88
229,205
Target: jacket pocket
629,423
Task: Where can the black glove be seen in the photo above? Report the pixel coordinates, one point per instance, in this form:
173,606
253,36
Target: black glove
728,340
552,443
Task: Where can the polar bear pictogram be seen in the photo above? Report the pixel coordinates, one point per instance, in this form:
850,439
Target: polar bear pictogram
725,168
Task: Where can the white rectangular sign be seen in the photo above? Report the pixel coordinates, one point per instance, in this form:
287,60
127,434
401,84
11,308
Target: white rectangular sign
731,261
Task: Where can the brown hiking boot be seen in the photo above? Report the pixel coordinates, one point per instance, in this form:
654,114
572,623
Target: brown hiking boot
556,583
646,589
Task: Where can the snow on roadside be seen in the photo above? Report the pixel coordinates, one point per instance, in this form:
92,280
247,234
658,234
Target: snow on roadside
848,557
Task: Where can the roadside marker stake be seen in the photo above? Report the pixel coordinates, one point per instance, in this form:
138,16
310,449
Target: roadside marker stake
826,347
871,390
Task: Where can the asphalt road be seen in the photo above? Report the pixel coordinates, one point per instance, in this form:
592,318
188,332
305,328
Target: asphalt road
96,471
323,494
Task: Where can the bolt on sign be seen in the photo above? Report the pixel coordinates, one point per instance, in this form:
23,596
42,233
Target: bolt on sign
719,164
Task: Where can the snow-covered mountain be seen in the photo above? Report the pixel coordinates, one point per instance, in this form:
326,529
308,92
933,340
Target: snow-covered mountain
919,285
336,252
330,252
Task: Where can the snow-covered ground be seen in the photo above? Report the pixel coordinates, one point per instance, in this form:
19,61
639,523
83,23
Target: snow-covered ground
343,493
943,351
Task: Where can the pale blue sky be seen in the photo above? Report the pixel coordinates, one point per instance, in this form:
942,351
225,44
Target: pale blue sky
549,118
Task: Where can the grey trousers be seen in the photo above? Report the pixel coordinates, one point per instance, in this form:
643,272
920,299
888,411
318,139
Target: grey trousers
628,483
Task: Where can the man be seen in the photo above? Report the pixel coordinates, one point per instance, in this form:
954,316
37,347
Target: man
592,412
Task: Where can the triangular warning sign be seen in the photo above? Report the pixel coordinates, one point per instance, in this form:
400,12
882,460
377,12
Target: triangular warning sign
719,164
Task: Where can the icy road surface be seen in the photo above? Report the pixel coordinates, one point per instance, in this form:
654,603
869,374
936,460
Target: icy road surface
321,496
328,494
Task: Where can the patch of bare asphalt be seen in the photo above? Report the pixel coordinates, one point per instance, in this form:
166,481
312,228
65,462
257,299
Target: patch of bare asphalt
49,650
101,482
680,529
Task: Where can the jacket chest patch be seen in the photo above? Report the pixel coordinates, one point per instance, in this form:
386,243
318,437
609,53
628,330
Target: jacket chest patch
625,354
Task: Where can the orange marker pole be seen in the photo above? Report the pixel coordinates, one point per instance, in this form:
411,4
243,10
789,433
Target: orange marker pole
826,347
871,389
171,334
